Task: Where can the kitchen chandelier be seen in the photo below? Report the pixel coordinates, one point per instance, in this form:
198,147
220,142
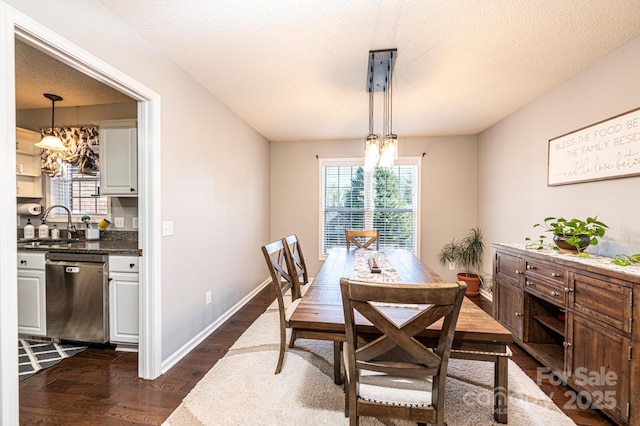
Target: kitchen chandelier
379,79
51,142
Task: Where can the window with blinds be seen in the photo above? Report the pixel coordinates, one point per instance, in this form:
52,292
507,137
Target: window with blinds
78,192
382,199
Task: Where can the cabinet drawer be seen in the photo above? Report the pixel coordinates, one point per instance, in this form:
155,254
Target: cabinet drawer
508,269
31,261
551,291
123,264
603,299
549,272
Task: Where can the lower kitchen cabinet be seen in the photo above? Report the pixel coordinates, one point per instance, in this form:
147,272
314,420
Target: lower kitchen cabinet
123,299
32,318
576,317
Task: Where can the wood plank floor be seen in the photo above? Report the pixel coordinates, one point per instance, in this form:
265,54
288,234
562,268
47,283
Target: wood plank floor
100,386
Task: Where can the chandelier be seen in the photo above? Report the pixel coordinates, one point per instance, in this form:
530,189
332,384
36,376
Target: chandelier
379,79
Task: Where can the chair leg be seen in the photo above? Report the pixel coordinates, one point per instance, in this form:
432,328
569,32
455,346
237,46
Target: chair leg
283,341
337,361
293,338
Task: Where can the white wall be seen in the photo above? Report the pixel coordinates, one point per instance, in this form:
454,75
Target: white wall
448,190
215,173
512,159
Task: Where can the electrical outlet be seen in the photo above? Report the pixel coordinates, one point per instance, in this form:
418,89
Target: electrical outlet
452,266
208,297
167,228
134,224
119,222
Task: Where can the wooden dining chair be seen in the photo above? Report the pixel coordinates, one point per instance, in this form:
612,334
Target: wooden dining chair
275,254
394,375
295,262
362,239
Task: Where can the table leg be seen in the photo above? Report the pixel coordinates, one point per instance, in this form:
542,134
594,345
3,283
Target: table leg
501,389
337,361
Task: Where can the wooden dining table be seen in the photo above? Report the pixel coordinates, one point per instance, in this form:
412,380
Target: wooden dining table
478,335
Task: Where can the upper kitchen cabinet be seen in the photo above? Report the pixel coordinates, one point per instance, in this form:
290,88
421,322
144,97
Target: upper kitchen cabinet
28,173
119,158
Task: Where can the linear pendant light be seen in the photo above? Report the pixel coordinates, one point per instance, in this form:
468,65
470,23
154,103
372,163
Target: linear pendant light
51,142
379,79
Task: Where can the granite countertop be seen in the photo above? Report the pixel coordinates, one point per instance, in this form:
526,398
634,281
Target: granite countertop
118,243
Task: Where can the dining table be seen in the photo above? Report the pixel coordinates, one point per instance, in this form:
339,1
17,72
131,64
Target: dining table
478,336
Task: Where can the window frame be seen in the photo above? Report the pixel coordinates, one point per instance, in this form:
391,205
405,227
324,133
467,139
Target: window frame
56,217
359,162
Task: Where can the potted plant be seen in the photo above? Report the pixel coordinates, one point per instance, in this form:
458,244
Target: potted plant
573,235
467,253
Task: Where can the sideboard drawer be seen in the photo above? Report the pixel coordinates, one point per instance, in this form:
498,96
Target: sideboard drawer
545,271
606,301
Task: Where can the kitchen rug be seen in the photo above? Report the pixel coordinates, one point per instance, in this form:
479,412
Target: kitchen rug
35,355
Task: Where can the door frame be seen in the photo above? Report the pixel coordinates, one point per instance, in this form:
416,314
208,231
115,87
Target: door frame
15,24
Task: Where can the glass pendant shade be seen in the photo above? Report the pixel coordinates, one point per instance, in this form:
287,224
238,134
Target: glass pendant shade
51,143
371,151
388,151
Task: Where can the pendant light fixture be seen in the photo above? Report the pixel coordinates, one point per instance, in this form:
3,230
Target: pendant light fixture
379,79
51,142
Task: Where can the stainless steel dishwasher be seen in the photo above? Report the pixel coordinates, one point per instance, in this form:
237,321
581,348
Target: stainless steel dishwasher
77,297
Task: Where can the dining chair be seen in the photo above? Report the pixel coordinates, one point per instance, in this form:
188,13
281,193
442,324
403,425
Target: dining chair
362,239
393,375
295,262
275,255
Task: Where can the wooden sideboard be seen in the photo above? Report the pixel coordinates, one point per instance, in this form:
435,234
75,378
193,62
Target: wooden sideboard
576,317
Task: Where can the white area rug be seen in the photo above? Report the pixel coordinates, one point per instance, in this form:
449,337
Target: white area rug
242,389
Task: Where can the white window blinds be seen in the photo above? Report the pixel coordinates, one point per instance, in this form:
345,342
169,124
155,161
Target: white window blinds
382,199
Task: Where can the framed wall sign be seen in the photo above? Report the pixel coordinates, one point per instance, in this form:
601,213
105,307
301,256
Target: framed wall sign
606,150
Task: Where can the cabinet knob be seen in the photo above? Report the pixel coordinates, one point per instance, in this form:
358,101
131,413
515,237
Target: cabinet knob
518,272
566,344
528,283
518,314
132,189
567,290
131,265
531,267
554,293
23,262
555,275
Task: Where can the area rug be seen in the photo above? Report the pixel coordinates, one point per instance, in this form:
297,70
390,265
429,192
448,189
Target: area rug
34,355
242,389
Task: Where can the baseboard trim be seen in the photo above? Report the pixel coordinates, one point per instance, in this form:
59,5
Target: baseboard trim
174,358
487,295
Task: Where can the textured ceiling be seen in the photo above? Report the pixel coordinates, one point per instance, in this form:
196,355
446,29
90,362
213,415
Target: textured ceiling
38,73
296,70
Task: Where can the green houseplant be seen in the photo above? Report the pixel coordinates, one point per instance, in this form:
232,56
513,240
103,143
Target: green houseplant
571,234
467,253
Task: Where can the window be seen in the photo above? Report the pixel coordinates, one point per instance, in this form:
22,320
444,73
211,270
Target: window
382,199
78,192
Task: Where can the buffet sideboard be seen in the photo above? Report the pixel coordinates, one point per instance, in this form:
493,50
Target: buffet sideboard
576,317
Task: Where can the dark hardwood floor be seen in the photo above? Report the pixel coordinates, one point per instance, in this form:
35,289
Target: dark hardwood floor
100,386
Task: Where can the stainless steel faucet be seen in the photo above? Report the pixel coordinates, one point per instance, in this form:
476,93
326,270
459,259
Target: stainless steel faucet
71,229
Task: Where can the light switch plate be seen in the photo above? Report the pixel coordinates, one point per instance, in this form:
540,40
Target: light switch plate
134,224
167,228
119,222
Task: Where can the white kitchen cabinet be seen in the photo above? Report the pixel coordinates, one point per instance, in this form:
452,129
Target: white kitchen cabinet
118,158
123,299
28,170
32,318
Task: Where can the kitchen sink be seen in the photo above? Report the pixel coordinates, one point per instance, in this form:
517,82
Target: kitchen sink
45,244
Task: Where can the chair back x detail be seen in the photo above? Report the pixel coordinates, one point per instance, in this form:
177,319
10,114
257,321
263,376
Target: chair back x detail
395,375
362,239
